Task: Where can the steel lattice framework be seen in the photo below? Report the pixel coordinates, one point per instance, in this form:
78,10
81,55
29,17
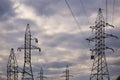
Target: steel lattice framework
27,69
41,74
99,69
12,67
67,73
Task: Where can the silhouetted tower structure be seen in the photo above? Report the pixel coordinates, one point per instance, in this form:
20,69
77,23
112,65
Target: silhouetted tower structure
99,69
41,74
27,69
67,74
12,66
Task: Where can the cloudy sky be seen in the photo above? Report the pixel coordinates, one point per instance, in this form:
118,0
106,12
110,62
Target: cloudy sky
61,40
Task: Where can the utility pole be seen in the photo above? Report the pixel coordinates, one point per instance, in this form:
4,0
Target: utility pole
27,69
67,74
41,74
12,66
99,69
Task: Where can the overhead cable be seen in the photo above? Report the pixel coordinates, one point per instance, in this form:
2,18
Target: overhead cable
72,14
84,10
113,11
106,10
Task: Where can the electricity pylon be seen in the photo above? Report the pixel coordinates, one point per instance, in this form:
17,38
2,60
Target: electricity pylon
41,74
12,66
27,69
99,69
67,74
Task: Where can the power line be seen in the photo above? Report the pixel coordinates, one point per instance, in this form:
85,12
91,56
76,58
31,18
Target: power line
113,11
106,10
84,10
70,9
72,14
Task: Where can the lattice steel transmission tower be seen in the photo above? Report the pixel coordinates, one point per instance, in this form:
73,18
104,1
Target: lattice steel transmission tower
12,66
67,74
27,69
41,74
99,69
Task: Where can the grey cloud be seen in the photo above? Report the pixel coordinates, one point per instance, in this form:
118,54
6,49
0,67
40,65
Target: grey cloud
71,41
25,22
56,64
60,64
3,68
114,71
12,37
43,8
53,65
113,42
87,7
85,77
6,10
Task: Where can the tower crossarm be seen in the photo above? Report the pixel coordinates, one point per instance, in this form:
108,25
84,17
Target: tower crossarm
20,48
92,27
90,39
110,48
35,47
93,50
110,35
107,24
32,47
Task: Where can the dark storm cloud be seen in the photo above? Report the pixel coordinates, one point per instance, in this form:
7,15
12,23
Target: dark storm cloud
6,10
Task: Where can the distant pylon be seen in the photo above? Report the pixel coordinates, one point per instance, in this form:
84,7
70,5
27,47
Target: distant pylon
27,69
12,66
99,69
67,74
41,74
